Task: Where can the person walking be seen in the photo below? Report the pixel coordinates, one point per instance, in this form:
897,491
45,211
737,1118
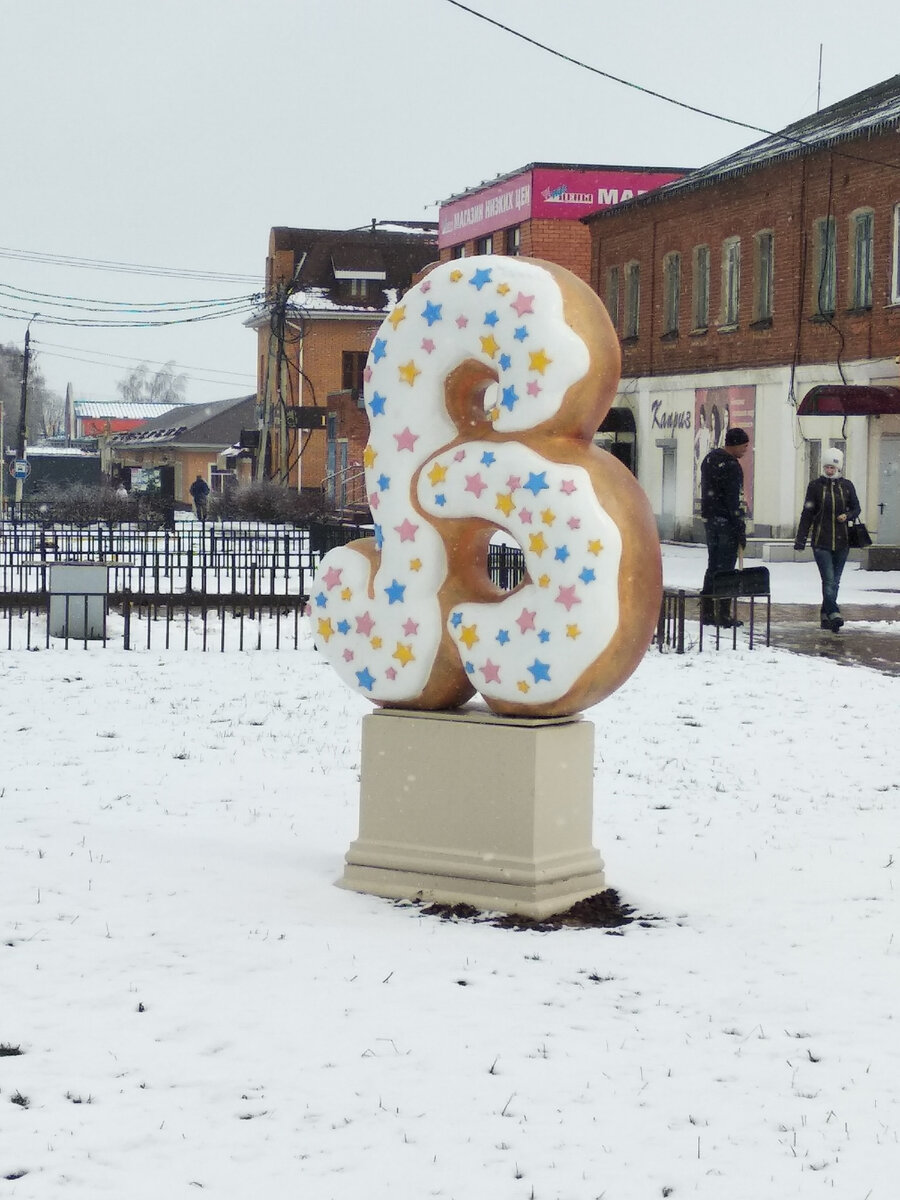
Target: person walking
722,508
831,502
199,489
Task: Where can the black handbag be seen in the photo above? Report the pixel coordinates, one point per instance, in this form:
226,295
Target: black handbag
858,536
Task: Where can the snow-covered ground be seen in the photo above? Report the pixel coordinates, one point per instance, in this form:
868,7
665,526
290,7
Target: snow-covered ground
199,1011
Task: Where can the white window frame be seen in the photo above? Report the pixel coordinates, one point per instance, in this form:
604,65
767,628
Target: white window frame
612,295
700,288
895,257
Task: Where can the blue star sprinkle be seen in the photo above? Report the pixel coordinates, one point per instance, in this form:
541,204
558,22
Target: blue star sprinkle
432,313
544,636
480,278
343,627
491,318
379,537
537,483
383,481
440,499
503,637
395,592
505,362
470,668
379,349
562,553
487,458
510,396
588,575
366,680
376,404
321,600
456,620
521,334
540,671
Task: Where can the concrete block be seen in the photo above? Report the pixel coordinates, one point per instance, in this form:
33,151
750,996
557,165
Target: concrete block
468,807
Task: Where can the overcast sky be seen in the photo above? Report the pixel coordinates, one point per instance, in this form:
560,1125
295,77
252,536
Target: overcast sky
175,133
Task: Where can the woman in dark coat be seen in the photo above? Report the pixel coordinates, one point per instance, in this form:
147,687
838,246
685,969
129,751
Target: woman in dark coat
830,503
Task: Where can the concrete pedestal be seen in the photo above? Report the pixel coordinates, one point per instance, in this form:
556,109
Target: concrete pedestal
78,593
468,807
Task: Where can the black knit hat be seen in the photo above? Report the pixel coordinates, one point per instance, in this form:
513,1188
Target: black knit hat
736,437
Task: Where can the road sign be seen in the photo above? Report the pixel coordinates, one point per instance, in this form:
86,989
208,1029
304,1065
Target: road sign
20,469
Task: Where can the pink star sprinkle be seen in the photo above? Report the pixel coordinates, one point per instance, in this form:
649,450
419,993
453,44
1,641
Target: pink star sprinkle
406,530
514,481
567,487
491,672
459,456
522,304
373,500
348,656
567,597
410,627
462,321
365,624
406,440
525,516
391,673
574,522
526,620
367,374
425,285
332,577
533,388
428,345
475,484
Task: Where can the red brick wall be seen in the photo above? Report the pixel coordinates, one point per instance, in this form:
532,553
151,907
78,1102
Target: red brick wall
787,198
567,243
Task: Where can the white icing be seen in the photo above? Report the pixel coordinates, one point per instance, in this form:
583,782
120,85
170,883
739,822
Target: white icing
506,313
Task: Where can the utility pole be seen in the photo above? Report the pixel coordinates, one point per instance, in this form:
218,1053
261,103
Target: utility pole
20,445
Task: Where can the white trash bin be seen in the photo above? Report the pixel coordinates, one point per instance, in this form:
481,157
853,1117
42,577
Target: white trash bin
78,599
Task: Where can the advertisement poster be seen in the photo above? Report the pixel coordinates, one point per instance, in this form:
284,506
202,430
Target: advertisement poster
715,410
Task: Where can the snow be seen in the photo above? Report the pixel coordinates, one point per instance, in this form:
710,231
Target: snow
201,1012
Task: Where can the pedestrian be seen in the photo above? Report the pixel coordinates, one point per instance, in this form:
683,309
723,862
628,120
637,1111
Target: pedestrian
722,508
830,503
121,492
199,489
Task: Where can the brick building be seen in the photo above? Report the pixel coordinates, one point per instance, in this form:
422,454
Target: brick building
327,292
536,211
744,286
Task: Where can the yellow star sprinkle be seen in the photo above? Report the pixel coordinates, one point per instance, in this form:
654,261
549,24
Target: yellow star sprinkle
548,516
375,643
572,631
493,414
536,543
437,474
408,372
544,581
469,636
346,594
325,628
505,503
403,654
595,546
539,361
522,685
502,288
489,345
455,276
398,315
369,456
415,564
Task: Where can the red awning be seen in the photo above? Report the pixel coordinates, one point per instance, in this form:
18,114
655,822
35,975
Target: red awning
845,400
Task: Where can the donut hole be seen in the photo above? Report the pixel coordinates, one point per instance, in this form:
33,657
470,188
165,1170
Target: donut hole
470,392
506,561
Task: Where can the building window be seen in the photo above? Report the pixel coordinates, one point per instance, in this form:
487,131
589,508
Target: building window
612,295
671,292
359,288
862,237
700,295
485,245
825,278
632,299
353,363
514,240
764,255
458,251
895,258
731,281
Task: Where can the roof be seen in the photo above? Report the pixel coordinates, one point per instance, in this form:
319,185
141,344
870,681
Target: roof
558,166
118,410
389,255
865,114
214,424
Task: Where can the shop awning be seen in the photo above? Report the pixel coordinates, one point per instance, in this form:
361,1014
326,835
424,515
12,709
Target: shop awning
848,400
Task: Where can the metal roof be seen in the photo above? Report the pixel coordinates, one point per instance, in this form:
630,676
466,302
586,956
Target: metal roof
118,410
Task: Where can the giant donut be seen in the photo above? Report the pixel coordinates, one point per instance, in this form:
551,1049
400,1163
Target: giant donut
484,387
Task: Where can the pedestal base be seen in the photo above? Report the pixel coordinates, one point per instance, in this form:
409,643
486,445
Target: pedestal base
473,808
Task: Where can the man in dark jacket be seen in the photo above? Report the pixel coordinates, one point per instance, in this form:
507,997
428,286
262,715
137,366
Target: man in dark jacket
199,489
722,508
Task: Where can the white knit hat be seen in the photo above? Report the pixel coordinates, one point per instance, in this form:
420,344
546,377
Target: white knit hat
833,458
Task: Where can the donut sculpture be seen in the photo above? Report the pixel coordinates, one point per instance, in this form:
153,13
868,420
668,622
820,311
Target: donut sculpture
484,388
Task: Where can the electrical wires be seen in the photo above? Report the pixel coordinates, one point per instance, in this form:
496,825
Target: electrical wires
100,264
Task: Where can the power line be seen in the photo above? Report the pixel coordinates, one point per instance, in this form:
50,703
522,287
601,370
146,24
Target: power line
194,374
100,264
130,360
92,305
6,310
